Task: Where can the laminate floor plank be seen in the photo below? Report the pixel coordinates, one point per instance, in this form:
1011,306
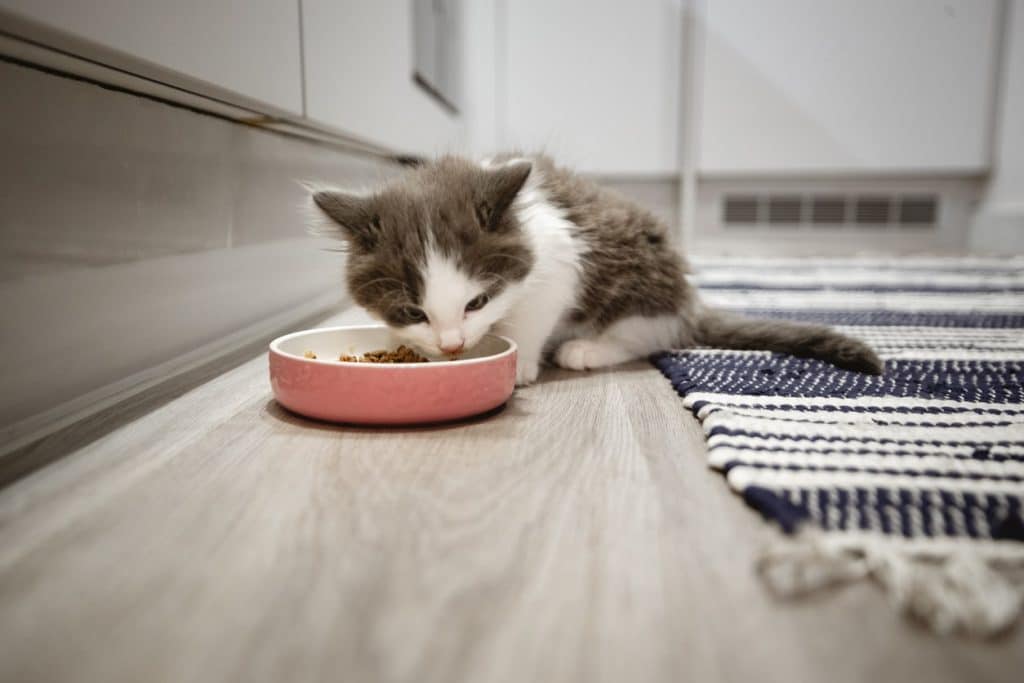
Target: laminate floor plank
576,535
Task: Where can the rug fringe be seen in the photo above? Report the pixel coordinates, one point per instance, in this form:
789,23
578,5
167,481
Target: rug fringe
958,592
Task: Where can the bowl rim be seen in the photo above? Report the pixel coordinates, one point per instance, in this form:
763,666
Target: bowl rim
275,345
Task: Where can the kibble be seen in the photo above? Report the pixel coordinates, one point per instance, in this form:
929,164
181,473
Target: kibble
403,354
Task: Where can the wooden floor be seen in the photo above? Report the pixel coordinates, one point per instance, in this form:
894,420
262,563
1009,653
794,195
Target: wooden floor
575,536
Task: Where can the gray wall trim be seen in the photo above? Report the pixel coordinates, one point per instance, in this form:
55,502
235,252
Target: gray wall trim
139,239
33,43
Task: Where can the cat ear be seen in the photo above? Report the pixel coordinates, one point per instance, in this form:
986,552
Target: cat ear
353,213
499,189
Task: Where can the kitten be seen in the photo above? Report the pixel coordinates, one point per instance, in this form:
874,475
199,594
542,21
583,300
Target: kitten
455,249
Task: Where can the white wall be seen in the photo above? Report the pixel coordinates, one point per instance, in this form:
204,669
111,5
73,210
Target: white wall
999,226
248,46
847,86
594,82
359,76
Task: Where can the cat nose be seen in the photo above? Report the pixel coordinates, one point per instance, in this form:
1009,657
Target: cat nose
451,341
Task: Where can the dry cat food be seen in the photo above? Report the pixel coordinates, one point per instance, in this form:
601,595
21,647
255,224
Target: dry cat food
309,354
403,354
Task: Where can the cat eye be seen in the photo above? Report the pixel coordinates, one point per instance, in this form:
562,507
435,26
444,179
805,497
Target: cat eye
477,302
413,314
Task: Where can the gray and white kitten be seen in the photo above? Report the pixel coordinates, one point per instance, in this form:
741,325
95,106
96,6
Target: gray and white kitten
455,249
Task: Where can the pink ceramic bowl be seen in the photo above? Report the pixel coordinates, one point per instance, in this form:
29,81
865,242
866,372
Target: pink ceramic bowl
386,393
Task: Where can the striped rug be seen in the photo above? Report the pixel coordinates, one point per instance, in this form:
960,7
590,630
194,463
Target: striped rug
914,478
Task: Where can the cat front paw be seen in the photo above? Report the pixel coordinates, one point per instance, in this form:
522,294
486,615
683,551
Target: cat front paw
527,372
582,354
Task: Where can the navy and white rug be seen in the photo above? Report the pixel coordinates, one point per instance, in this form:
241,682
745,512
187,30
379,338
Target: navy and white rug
915,478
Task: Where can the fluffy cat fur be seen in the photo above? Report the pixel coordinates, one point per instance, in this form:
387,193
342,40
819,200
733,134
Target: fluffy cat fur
571,271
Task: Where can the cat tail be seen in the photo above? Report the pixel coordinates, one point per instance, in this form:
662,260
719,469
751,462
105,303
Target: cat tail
722,330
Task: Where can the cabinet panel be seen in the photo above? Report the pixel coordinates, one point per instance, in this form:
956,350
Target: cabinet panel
846,85
595,82
360,64
248,46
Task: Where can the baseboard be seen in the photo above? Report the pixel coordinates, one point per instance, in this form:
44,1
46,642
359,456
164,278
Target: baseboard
956,199
168,229
20,434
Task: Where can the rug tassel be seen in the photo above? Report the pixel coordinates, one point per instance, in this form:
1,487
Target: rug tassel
961,592
795,567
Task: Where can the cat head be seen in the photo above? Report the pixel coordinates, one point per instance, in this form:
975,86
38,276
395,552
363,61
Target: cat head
438,254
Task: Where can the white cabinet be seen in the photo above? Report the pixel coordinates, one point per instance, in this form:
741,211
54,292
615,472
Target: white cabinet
359,59
250,47
806,86
595,82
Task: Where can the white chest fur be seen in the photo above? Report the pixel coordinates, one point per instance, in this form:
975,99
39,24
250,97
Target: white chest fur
550,291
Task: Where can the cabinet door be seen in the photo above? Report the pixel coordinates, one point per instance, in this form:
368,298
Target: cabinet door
247,46
360,69
594,82
847,86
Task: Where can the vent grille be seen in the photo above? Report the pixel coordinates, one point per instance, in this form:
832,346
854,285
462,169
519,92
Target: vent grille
784,209
741,209
828,210
831,210
873,210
